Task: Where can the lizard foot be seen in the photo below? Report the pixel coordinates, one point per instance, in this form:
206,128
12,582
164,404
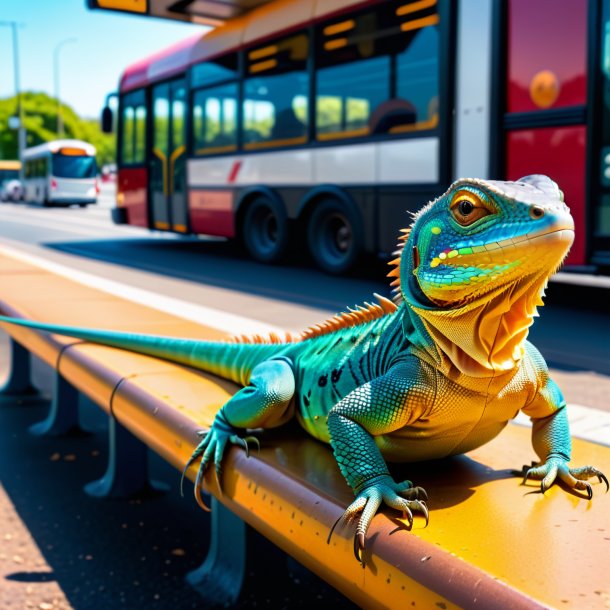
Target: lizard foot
211,449
557,467
401,496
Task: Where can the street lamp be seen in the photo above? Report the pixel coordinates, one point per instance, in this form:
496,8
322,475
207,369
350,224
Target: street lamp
58,46
21,133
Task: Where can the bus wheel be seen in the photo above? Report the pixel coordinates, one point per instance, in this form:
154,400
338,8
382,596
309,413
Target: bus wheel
333,236
265,231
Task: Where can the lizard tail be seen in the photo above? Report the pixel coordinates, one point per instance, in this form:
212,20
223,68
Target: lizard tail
233,361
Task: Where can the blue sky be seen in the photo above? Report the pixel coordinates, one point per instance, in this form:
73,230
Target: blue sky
106,43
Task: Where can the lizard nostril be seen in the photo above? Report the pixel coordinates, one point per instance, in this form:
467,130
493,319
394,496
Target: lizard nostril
536,212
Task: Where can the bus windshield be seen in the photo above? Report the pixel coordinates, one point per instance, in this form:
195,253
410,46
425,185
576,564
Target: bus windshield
70,166
8,174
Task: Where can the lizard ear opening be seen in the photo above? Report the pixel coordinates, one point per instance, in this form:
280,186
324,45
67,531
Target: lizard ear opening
415,254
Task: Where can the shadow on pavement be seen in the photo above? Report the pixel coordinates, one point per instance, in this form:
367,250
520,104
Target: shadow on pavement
220,264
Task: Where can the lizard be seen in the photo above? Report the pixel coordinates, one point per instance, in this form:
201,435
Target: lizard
437,371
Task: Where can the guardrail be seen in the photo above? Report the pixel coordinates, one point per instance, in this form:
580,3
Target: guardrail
490,543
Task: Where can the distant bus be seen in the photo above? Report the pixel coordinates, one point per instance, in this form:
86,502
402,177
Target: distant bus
9,170
62,172
10,187
326,123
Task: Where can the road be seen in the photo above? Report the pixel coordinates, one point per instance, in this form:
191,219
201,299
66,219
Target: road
61,548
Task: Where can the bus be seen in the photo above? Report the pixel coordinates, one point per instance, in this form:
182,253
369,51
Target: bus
62,172
10,186
326,124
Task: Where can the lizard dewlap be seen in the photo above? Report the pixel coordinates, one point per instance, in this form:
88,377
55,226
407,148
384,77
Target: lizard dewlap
437,371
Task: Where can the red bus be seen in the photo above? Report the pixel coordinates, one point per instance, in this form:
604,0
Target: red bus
329,121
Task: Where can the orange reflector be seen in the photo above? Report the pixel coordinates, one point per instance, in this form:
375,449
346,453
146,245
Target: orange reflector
72,152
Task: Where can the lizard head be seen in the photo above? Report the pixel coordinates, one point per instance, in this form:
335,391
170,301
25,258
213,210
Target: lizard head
482,236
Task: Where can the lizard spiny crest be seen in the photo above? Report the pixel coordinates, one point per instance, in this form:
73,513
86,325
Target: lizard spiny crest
345,319
395,273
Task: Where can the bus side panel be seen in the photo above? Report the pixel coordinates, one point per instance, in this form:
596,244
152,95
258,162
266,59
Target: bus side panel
558,152
211,212
132,194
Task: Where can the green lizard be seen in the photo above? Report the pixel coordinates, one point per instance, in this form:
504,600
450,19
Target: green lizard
436,372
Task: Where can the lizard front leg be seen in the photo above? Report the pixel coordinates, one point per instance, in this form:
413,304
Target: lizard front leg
265,403
551,441
378,407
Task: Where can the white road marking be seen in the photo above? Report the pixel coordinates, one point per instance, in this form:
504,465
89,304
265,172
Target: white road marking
585,422
581,279
59,226
227,322
77,219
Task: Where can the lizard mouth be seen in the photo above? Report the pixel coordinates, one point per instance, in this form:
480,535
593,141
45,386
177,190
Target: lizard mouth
489,253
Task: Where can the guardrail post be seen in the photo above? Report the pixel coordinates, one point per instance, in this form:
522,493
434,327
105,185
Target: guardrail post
18,387
236,551
220,578
127,472
63,414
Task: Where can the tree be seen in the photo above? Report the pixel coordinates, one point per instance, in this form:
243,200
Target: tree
40,122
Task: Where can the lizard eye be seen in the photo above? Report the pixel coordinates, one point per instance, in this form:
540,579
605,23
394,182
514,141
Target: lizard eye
467,208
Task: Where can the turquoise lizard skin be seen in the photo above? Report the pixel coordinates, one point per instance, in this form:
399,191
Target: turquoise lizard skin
437,372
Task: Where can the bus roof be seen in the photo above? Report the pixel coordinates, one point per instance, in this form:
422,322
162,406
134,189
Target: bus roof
55,145
260,23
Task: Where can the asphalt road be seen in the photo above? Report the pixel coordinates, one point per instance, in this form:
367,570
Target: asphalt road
62,549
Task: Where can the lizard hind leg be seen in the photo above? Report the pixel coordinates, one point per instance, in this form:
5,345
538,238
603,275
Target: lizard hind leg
265,403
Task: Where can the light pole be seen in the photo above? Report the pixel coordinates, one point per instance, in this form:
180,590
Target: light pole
58,46
21,130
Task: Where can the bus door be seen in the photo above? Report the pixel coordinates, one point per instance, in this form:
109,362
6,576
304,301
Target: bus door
168,207
600,158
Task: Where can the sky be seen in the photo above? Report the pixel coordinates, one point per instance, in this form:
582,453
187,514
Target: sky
90,67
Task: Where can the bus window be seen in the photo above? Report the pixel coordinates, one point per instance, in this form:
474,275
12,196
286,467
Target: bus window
276,94
214,71
71,166
133,131
215,120
417,75
378,72
128,131
139,149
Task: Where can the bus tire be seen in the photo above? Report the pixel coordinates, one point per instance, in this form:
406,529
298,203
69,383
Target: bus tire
333,236
265,230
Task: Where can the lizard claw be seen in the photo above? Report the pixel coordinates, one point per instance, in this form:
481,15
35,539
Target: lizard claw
368,500
244,442
211,449
359,547
557,468
254,441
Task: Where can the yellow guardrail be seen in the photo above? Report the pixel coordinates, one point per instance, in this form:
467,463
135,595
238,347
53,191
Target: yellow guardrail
490,542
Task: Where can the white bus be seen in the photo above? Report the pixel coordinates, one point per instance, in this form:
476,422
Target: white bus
62,172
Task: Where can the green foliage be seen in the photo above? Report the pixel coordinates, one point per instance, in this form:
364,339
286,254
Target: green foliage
40,121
